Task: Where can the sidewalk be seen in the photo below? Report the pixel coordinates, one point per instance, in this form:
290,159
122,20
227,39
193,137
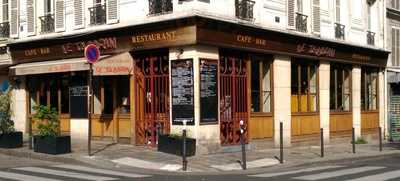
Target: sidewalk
128,156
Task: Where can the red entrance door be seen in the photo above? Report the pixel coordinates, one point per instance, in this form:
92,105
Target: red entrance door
152,98
233,98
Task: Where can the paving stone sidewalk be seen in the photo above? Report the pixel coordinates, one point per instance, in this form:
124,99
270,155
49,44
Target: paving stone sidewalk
261,154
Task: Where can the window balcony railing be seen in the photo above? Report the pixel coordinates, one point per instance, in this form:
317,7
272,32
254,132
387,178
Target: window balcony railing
370,38
244,9
47,23
301,22
160,7
5,30
97,15
339,31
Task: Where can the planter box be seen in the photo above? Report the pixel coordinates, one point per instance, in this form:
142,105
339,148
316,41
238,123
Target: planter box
11,140
173,145
52,145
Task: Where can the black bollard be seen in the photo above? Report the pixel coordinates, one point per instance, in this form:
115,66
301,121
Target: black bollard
353,142
380,138
281,142
322,142
30,140
242,142
184,161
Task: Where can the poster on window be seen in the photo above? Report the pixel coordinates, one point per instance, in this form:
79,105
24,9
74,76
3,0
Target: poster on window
208,91
182,91
78,96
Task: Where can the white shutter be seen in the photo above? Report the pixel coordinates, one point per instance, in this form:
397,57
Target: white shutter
290,14
30,17
60,16
337,16
79,14
14,18
316,17
112,8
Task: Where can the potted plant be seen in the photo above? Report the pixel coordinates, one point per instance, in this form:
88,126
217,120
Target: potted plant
9,138
49,139
173,144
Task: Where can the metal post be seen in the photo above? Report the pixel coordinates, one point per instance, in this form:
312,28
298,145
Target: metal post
322,142
380,138
353,140
184,160
30,140
242,142
281,141
90,108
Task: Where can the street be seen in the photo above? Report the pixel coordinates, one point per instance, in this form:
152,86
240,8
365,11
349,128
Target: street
372,169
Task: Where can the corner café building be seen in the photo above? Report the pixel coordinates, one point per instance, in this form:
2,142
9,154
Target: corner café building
208,72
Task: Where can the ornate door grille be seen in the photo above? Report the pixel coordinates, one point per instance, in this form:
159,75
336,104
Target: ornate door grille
152,91
233,98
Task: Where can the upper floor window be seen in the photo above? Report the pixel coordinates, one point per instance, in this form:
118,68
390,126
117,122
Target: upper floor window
5,11
160,7
48,9
395,46
395,4
47,21
98,13
244,9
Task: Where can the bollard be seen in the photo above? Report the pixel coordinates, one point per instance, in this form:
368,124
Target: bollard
184,160
353,142
242,142
281,142
30,140
380,138
322,142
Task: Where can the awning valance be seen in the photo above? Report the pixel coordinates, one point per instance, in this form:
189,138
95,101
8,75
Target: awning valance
54,66
120,64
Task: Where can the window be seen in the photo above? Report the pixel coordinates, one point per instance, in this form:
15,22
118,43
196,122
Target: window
340,90
261,92
369,88
5,11
48,7
300,6
304,86
395,46
395,4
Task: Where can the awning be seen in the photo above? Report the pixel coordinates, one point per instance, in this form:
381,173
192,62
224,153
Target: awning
120,64
54,66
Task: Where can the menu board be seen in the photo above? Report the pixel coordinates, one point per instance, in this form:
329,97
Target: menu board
208,91
182,91
78,95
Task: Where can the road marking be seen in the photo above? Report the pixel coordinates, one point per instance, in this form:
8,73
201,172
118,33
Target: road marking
326,175
21,177
379,177
101,171
294,171
65,173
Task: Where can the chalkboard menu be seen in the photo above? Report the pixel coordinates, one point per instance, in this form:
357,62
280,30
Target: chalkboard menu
208,91
78,93
182,91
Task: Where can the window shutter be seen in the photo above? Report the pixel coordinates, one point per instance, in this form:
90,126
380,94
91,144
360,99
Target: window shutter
60,16
338,11
79,14
316,17
14,19
30,17
112,11
290,13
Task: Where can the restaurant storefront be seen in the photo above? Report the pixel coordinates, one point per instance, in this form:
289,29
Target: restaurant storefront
151,80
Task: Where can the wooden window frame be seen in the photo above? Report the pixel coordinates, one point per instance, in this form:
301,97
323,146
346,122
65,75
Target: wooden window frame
116,108
342,69
260,91
300,64
367,72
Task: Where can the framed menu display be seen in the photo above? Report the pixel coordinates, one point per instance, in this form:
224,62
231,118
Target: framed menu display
182,84
208,91
78,96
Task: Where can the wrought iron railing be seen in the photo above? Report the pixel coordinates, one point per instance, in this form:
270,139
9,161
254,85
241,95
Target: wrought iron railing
339,31
5,30
370,38
244,9
47,23
301,22
97,15
157,7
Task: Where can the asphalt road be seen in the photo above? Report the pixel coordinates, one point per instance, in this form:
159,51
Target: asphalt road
373,169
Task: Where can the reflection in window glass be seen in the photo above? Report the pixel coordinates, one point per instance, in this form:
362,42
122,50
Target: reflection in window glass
339,87
261,84
369,88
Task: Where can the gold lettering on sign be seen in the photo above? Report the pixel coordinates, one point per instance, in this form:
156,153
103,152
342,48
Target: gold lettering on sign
102,43
251,40
151,37
316,50
361,57
37,51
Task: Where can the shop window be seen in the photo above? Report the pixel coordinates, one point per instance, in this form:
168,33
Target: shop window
64,94
304,86
111,93
108,95
369,89
123,99
261,92
340,88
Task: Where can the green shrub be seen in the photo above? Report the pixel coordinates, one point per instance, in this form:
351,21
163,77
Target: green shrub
48,121
6,124
360,141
